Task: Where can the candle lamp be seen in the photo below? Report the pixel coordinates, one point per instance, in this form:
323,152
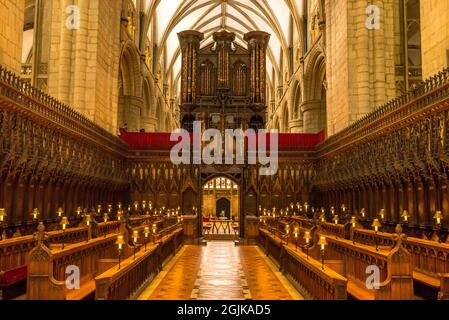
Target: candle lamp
144,205
135,241
336,224
296,233
119,206
119,215
154,232
147,234
306,206
35,214
99,209
3,224
363,213
333,211
382,215
64,222
438,217
109,208
60,212
322,243
287,233
136,205
307,238
105,217
120,242
87,219
353,225
376,225
405,216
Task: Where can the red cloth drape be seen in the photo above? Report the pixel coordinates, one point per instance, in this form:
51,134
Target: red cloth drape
161,141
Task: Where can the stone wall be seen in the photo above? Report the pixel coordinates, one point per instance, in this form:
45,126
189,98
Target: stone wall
434,36
11,33
83,66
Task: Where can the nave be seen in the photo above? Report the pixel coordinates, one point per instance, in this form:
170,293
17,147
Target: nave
221,271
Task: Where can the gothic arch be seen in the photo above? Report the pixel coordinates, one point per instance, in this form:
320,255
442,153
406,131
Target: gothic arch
129,70
285,118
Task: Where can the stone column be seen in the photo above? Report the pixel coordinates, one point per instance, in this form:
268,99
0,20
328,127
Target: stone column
311,111
296,126
257,45
11,34
190,45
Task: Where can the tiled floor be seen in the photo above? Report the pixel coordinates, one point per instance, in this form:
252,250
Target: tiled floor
220,271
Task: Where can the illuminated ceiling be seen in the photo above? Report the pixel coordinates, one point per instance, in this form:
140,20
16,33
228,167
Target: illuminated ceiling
209,16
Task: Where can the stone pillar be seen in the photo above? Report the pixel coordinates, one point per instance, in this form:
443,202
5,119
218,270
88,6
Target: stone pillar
131,112
11,34
257,45
312,116
296,126
190,45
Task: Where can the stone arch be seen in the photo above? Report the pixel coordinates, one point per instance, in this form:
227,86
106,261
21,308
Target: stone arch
130,91
314,107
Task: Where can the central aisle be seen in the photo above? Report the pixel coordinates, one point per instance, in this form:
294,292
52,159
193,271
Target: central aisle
220,271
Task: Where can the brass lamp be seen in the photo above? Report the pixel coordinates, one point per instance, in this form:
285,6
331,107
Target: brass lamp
287,232
136,205
87,219
105,217
353,225
147,234
119,215
119,206
322,243
438,217
306,206
307,238
335,219
376,225
382,214
120,242
154,232
343,209
332,211
144,204
64,222
2,215
296,233
60,212
35,214
78,211
363,213
99,209
135,241
405,216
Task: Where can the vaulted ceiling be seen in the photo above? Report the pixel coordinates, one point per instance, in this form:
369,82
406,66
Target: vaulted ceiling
165,18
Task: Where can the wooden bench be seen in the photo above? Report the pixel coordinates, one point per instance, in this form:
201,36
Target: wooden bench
305,273
430,258
135,273
47,268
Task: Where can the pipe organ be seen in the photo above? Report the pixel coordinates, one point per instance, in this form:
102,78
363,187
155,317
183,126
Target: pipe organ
223,83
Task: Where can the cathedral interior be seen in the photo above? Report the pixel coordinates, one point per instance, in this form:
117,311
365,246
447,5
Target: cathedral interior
351,97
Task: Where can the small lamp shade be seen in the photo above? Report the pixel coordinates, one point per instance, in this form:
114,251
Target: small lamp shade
64,222
307,237
336,219
147,232
363,213
78,211
105,217
287,229
35,214
382,214
2,214
135,236
119,206
353,222
60,212
322,243
120,242
332,210
154,228
405,215
109,208
306,206
99,208
376,225
87,219
438,217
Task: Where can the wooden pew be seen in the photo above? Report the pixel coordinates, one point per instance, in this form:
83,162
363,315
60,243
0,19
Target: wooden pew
13,258
135,273
305,273
47,268
395,266
430,258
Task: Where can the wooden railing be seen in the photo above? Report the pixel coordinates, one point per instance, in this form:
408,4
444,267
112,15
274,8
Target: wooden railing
433,90
14,252
47,268
305,273
124,283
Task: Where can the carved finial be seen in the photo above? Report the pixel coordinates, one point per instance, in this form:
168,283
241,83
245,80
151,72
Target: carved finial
398,230
40,235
